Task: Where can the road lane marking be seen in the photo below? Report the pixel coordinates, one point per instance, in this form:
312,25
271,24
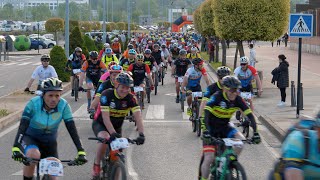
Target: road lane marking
131,170
9,129
155,112
184,114
23,59
37,64
81,112
25,63
1,87
9,64
165,121
20,173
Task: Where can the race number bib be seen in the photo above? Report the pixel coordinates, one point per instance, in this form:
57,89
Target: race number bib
76,71
119,143
50,167
137,89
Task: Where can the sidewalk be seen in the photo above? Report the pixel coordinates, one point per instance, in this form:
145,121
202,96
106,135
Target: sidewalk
279,119
29,52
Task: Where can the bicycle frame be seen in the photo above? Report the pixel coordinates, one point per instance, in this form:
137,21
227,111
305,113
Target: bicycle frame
222,160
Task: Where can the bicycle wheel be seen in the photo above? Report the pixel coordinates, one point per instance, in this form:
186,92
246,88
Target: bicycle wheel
193,118
182,102
76,88
148,90
155,84
236,171
118,171
162,75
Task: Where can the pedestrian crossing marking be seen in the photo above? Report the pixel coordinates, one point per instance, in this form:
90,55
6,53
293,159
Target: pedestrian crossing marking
8,64
155,112
184,114
300,26
25,63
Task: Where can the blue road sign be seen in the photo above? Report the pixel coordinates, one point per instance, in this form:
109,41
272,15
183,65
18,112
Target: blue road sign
301,25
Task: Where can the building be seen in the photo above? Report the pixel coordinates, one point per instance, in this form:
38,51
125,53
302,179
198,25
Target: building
31,3
312,7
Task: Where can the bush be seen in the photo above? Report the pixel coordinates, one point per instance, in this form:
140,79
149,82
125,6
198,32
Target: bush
73,24
59,61
99,45
76,39
89,43
85,52
121,26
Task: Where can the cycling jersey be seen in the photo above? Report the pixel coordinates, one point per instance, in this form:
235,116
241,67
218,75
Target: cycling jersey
138,73
93,70
194,76
245,76
213,88
149,61
181,66
106,60
103,86
125,63
43,73
293,149
219,110
76,61
175,53
193,56
104,77
165,53
157,56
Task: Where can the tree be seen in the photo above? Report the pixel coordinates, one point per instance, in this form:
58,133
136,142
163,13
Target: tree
206,17
73,24
197,20
54,25
165,24
121,25
85,26
58,61
41,12
96,25
76,39
89,43
7,12
242,20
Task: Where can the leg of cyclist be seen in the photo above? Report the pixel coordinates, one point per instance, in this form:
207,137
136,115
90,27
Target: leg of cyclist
89,87
31,151
208,158
143,92
177,89
72,85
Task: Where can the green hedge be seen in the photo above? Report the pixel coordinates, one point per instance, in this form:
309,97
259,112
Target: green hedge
59,61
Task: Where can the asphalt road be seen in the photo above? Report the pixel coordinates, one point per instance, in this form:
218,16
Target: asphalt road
16,73
171,151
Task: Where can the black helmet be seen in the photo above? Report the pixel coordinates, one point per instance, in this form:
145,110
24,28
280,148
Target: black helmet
231,82
78,49
45,57
93,54
197,61
147,51
163,46
124,79
130,46
156,45
51,84
182,52
223,71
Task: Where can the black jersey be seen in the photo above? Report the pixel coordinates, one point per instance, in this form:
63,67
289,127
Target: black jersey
103,86
213,88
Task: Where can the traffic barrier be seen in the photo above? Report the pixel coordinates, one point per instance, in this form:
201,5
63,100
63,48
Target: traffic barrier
301,97
293,95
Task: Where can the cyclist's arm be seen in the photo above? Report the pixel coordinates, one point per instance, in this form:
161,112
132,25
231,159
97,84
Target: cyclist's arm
205,76
103,67
256,77
149,75
207,110
204,100
137,114
83,71
24,123
96,100
68,64
247,112
105,111
130,68
71,127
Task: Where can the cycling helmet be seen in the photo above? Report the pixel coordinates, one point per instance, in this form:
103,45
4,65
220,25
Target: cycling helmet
223,71
51,84
124,79
197,61
163,46
93,54
108,51
115,39
106,45
175,45
140,56
244,60
194,49
111,64
156,46
78,49
45,57
147,51
130,46
115,69
182,52
132,51
231,82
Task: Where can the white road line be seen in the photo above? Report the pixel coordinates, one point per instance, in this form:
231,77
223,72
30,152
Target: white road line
11,128
25,63
155,112
166,121
184,114
131,170
20,173
81,112
23,59
1,87
8,64
37,64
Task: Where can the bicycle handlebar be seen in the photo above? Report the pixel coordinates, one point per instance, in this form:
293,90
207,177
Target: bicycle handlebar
105,141
27,160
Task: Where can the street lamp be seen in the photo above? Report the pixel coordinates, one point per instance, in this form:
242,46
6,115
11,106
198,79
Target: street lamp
38,36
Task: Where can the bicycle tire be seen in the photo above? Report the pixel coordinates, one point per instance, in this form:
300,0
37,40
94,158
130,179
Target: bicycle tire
148,95
181,102
118,166
194,124
156,84
76,88
162,76
236,171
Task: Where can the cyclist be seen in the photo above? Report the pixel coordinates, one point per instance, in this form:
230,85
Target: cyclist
174,51
42,72
75,60
139,70
102,51
246,73
179,69
38,129
92,69
165,55
115,105
125,54
218,112
193,53
150,45
213,88
125,63
151,62
109,57
105,76
192,80
116,47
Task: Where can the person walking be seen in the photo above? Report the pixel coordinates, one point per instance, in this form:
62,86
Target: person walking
253,59
285,38
281,76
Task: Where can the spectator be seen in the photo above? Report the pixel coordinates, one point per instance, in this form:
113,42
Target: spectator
285,38
281,75
211,49
108,39
252,59
278,41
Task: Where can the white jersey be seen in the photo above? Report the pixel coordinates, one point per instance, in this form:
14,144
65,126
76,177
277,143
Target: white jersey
43,73
165,53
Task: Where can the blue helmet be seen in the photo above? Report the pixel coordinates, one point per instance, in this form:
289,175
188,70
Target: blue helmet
132,51
108,50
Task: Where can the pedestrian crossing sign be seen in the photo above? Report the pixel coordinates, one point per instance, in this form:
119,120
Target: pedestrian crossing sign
301,25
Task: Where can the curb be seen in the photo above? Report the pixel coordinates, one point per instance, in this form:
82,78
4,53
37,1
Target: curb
15,117
36,54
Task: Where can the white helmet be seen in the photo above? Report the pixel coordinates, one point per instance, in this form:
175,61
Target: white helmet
244,60
115,39
194,49
106,45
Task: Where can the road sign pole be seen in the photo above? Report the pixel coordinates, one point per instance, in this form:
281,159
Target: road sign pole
299,79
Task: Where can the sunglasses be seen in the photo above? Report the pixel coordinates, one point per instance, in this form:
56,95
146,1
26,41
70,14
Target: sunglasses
94,59
45,60
243,64
140,60
232,90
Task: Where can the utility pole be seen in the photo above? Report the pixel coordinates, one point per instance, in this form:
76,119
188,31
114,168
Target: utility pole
129,18
107,11
90,10
104,22
57,8
148,12
112,11
66,46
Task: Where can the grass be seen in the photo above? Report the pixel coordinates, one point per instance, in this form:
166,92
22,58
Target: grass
215,65
3,113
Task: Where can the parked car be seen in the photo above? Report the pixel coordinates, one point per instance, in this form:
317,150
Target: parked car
50,43
35,44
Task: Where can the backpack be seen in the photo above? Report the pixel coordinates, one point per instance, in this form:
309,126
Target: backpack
104,59
304,126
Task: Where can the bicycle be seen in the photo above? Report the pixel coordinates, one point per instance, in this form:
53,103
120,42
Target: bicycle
47,167
75,74
137,91
181,95
156,81
148,89
226,165
163,72
195,106
113,166
244,122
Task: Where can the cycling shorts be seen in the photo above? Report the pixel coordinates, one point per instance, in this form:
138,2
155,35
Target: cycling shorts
195,89
47,149
247,88
99,126
95,81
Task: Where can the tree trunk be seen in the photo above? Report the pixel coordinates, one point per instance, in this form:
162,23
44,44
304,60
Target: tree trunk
240,47
217,50
224,52
235,58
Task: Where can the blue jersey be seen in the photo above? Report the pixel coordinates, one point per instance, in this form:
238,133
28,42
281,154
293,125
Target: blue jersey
44,124
293,149
194,76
